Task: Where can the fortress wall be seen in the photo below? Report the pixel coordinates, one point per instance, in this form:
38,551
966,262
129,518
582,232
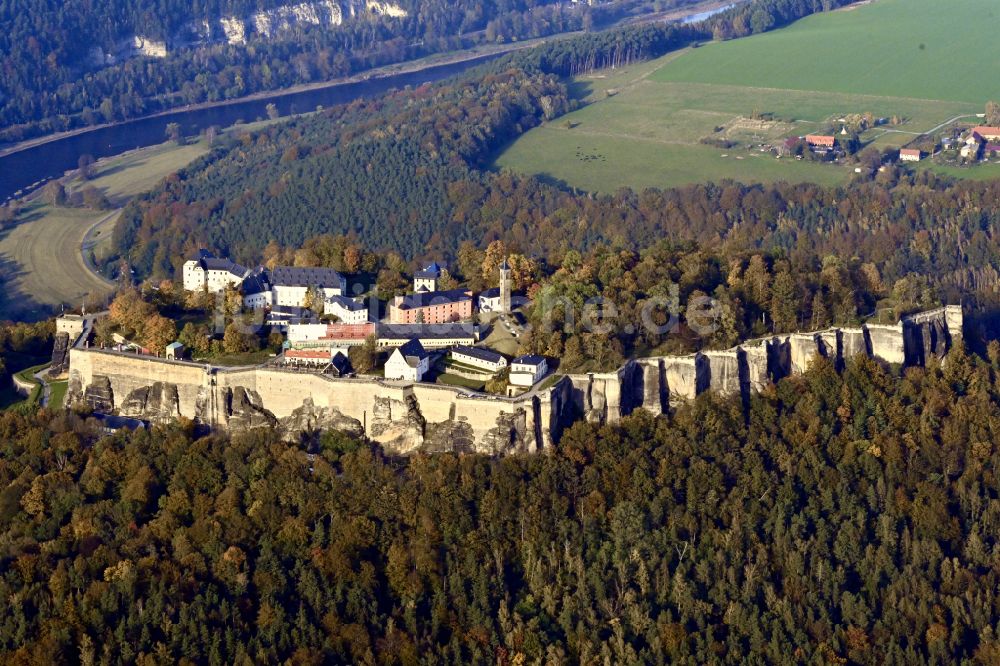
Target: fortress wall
127,372
609,386
779,358
886,342
406,417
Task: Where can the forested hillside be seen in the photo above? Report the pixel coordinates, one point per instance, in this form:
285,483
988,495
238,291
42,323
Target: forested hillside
56,73
852,519
50,80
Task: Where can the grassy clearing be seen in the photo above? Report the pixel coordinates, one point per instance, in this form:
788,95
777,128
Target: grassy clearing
57,394
924,49
455,380
43,254
642,126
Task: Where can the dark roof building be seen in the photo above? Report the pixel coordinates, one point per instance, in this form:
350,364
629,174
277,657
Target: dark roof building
426,299
348,304
299,276
530,359
340,365
431,271
389,333
210,262
413,352
487,355
256,282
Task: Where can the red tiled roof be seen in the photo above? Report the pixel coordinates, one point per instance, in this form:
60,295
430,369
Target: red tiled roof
910,152
349,331
820,140
986,131
306,353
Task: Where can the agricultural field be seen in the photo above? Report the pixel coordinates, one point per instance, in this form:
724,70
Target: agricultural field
43,253
644,125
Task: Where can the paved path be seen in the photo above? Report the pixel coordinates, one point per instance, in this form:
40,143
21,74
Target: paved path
43,400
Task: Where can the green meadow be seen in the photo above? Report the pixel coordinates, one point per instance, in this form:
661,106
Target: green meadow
919,61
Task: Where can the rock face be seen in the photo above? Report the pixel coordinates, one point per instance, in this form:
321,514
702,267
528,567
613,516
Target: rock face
449,436
60,358
309,418
99,396
398,424
507,437
245,410
272,23
158,403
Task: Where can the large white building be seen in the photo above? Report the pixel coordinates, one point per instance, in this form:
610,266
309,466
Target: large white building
211,273
347,310
526,371
290,285
409,362
477,357
256,290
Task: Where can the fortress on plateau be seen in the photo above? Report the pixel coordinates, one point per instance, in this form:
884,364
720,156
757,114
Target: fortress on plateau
406,417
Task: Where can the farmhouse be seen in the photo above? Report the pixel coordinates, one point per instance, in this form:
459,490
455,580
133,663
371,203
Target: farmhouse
409,362
909,155
478,357
526,371
426,279
431,307
347,310
986,132
206,271
971,148
821,141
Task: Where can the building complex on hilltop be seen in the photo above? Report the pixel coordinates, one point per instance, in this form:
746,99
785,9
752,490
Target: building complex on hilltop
430,318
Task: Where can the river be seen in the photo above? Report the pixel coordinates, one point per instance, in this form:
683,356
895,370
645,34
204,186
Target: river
24,169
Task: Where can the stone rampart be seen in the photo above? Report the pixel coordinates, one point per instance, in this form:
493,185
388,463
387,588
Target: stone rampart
410,417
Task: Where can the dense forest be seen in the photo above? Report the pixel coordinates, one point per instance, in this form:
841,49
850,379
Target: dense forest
50,82
851,518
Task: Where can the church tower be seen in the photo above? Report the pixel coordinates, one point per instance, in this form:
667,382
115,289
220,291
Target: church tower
505,287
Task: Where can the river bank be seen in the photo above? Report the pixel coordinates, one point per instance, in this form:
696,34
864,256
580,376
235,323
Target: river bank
410,67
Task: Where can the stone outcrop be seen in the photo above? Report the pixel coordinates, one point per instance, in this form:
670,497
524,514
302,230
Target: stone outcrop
425,417
99,395
60,357
508,436
309,419
158,403
398,424
245,410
